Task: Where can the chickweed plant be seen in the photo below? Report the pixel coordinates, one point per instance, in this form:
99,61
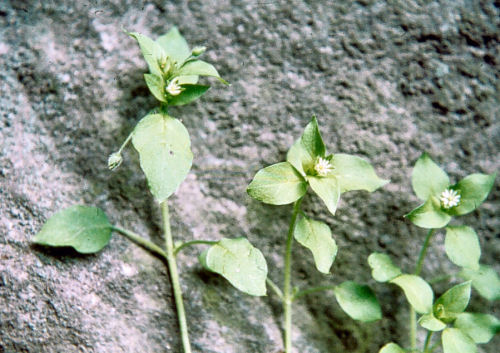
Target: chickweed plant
328,176
442,202
165,155
164,149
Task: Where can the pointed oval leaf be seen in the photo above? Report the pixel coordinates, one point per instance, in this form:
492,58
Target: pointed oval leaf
354,173
200,68
429,215
151,51
417,291
317,237
312,141
187,80
328,190
456,341
156,86
278,184
174,45
473,190
429,322
427,178
299,157
383,270
85,229
358,301
165,153
391,348
240,263
452,302
189,94
462,246
485,281
480,327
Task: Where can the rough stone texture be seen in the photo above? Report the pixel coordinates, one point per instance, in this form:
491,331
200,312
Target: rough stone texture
387,81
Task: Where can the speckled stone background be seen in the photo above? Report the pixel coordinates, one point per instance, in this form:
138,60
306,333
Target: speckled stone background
387,81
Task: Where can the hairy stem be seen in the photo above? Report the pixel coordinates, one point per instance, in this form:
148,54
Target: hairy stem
311,290
141,241
418,269
287,294
193,242
174,278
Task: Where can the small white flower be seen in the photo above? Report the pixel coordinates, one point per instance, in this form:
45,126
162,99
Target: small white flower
449,198
323,167
173,87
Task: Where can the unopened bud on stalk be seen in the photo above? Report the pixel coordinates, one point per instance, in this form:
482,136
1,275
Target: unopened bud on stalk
197,51
114,160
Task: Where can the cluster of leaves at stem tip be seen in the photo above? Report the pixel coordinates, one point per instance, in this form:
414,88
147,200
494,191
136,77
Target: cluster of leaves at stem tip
329,175
442,201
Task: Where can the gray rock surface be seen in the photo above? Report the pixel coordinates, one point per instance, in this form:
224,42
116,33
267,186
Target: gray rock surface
387,80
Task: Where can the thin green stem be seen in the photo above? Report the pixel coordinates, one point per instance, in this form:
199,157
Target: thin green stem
275,288
427,341
192,242
125,143
141,241
311,290
423,251
418,269
174,278
287,295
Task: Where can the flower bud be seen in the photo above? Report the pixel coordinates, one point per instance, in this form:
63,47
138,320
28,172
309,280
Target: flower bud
197,51
114,160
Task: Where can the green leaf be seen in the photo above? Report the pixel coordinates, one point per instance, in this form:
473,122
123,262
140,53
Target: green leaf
452,302
311,140
174,45
417,291
429,215
299,157
485,281
200,68
151,51
84,228
473,190
240,263
156,86
383,270
480,327
358,301
317,237
427,178
328,190
278,184
391,348
429,322
165,153
354,173
189,94
456,341
462,246
187,80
